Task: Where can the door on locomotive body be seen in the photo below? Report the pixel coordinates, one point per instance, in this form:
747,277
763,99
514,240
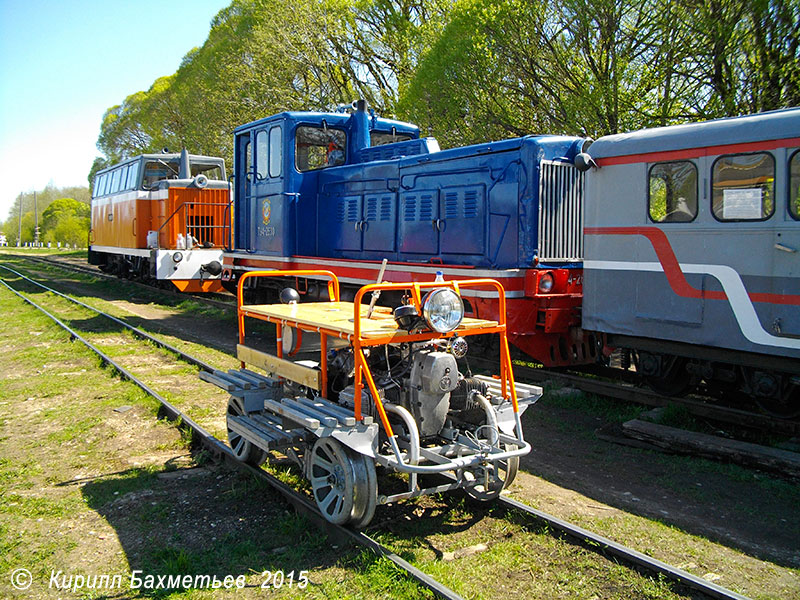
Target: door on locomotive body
260,193
749,204
271,204
786,246
243,191
674,206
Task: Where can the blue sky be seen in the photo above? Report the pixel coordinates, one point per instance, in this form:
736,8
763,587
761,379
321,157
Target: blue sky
64,62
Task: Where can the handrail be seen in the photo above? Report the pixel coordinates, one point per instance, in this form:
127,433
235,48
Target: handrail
190,203
333,290
333,284
362,371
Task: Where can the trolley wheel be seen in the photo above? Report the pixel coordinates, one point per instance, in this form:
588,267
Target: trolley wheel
332,482
366,487
343,483
503,474
242,449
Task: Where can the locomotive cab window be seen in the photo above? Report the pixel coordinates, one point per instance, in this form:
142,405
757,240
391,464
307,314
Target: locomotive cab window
319,147
743,187
794,185
381,138
158,170
262,154
213,172
672,192
275,152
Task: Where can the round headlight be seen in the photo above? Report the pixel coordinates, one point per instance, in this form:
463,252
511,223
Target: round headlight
443,310
545,283
177,257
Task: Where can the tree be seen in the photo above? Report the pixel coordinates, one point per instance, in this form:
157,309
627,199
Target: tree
55,207
506,67
61,209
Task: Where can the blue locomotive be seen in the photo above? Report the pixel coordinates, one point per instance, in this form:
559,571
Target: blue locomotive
345,192
692,235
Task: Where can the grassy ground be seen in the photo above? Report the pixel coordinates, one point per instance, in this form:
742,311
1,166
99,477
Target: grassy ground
94,483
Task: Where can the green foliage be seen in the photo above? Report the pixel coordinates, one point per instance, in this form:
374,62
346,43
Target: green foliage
256,62
469,70
507,67
63,216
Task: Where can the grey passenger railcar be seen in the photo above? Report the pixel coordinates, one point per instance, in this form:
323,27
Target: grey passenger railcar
691,245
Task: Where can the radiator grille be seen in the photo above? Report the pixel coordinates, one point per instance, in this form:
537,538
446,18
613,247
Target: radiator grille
560,213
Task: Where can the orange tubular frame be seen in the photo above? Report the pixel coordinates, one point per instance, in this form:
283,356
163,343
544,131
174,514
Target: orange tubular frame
362,371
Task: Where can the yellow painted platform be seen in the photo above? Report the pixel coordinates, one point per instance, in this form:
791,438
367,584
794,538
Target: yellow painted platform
338,317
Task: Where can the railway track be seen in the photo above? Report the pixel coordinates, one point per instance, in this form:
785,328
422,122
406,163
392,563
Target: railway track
213,299
586,538
602,384
607,382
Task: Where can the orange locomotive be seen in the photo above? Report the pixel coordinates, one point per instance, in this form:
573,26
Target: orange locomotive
162,217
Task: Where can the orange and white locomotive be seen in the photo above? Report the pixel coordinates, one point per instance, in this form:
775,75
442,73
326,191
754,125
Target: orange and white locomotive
163,217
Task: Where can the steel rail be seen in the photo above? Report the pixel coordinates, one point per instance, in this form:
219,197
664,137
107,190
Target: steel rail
221,450
608,546
135,330
622,391
211,298
631,393
595,541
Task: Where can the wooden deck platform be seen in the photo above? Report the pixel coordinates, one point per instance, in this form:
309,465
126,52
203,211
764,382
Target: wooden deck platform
339,317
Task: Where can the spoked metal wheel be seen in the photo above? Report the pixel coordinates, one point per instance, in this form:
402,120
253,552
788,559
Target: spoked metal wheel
343,483
497,477
243,450
366,488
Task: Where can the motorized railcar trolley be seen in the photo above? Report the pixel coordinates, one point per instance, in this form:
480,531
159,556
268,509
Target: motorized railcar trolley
386,391
164,218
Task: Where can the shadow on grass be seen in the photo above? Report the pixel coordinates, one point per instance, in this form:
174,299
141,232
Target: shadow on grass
202,521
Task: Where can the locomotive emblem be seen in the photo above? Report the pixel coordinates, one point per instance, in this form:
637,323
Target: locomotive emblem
266,211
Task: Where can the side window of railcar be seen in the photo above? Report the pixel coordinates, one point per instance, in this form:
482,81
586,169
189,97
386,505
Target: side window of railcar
115,181
743,187
672,192
275,152
123,178
100,186
794,185
133,176
318,147
262,154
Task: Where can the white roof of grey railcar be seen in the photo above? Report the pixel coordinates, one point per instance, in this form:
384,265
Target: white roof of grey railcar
773,125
